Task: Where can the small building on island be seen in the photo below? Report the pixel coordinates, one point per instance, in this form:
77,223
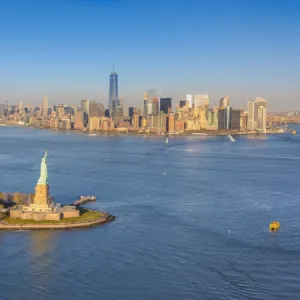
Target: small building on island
43,206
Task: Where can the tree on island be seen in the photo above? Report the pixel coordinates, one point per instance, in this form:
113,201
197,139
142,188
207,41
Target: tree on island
31,198
19,198
2,215
2,196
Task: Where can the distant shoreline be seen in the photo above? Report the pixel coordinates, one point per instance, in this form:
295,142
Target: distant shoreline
116,133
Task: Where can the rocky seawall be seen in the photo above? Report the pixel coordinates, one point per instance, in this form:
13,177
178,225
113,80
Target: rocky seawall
68,225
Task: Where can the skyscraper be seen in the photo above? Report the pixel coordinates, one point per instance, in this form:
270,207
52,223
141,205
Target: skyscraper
121,107
171,120
224,102
206,101
2,110
189,98
149,109
78,120
201,100
244,120
45,107
145,112
251,125
155,106
162,122
228,117
60,112
257,114
96,109
21,107
113,101
262,118
85,107
151,94
93,123
135,120
119,115
261,107
198,100
236,119
131,111
225,118
165,105
182,103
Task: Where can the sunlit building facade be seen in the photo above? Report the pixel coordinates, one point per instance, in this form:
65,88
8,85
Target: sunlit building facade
257,114
113,101
85,107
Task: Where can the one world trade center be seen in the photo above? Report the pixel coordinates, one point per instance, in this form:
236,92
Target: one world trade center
113,101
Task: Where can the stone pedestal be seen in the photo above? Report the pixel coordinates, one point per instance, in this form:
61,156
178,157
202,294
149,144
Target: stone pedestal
42,194
41,201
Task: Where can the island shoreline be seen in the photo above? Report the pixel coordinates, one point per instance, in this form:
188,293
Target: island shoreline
63,226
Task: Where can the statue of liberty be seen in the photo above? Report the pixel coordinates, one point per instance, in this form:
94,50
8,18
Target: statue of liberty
44,173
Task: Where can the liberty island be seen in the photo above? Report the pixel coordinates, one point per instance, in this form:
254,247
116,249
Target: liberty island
37,215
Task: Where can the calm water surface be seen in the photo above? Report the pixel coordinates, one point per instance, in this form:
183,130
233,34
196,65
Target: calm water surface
192,218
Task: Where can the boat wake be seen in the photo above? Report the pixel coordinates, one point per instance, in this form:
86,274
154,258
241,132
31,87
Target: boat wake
231,138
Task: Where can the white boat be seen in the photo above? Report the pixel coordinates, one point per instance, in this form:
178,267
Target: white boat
166,140
199,133
231,138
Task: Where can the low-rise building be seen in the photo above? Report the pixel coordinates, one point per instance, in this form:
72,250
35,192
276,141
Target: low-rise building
94,123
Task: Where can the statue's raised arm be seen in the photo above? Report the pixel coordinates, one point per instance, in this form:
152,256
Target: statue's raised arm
44,173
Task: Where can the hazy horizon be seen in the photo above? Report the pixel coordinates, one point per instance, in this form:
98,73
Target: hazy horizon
65,49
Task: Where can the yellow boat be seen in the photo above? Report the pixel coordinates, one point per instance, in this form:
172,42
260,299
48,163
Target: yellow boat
274,225
294,132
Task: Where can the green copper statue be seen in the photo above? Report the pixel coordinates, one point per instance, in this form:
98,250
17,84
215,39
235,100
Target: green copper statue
44,173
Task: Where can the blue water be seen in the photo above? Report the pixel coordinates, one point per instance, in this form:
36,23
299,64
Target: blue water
192,217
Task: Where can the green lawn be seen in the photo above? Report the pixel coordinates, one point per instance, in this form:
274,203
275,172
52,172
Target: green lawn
85,215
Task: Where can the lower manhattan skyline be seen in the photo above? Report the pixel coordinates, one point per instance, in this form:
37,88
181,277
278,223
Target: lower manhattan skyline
177,49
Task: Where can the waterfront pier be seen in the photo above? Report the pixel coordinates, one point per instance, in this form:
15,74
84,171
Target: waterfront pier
84,199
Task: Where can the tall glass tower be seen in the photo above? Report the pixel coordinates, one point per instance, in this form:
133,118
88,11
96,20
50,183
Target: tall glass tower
86,110
113,101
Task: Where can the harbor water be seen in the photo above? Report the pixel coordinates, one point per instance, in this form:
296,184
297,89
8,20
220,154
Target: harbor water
192,217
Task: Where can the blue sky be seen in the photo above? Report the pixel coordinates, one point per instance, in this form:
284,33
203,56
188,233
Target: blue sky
65,48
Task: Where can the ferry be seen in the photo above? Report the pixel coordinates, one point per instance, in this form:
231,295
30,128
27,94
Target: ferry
274,225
